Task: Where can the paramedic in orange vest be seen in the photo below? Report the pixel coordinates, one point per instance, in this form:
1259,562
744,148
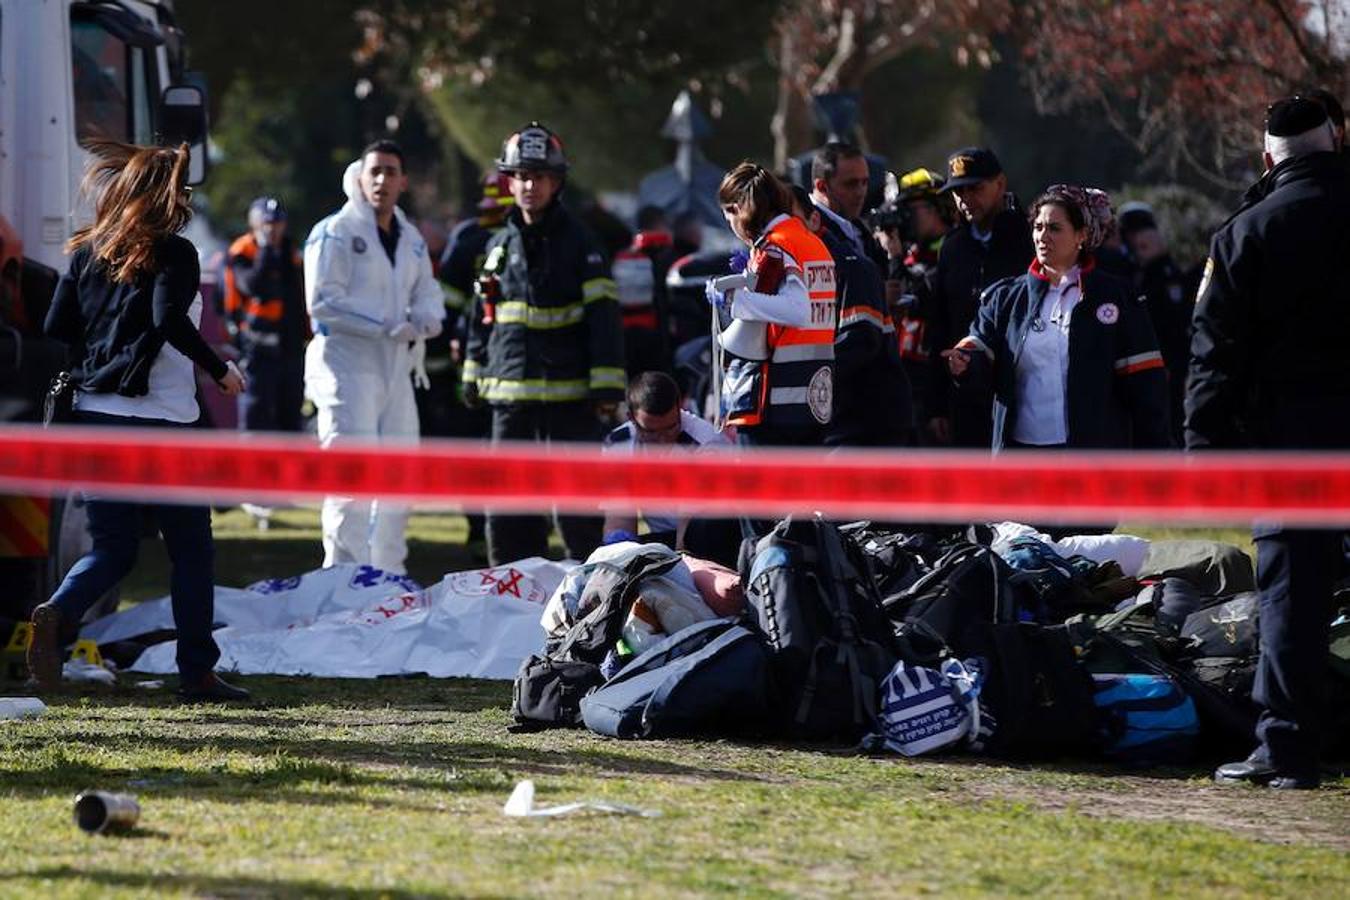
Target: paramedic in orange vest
265,315
776,322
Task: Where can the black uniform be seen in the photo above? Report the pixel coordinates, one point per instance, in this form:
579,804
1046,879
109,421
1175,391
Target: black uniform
871,393
1170,295
540,352
966,266
1270,369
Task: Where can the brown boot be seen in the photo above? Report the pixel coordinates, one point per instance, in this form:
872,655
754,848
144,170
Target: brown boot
44,653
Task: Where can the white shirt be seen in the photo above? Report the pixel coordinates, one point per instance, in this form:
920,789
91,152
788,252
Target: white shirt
1042,372
172,393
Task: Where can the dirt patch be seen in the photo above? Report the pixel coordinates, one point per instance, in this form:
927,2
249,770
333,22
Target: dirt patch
1320,818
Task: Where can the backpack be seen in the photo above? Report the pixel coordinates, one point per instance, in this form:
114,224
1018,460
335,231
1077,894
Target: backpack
968,585
711,677
830,645
923,710
1035,689
1146,719
1227,629
893,558
1126,642
548,688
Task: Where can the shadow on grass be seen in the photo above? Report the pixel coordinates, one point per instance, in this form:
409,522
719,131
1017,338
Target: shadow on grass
270,693
214,885
325,772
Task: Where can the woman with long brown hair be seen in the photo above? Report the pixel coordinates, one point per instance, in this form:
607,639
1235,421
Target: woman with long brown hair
129,309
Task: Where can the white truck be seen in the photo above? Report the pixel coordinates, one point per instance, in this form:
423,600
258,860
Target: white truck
69,70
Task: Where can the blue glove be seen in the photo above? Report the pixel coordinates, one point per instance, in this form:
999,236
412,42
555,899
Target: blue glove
713,295
618,536
738,261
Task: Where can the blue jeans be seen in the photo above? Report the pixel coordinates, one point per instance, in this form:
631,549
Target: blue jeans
115,527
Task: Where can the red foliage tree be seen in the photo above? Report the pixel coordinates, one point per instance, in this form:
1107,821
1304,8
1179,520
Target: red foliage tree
1186,81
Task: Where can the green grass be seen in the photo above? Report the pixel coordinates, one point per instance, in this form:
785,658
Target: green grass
393,788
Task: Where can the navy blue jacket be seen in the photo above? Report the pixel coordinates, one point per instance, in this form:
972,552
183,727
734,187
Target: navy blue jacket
1269,360
1116,392
872,403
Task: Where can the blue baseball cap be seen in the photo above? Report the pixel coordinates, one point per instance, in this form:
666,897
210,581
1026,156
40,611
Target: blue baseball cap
269,208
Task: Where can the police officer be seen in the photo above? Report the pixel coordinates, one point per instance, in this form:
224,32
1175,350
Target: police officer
545,347
1269,369
1169,293
993,242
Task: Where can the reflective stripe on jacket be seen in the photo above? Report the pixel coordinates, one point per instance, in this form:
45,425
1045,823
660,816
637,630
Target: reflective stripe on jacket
794,387
553,334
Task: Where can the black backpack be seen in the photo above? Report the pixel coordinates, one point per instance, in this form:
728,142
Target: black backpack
549,686
968,586
1041,699
894,558
813,598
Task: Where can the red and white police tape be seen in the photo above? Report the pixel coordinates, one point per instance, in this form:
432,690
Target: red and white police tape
1292,488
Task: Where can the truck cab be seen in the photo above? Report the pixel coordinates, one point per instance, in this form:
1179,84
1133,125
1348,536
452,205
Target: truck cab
70,70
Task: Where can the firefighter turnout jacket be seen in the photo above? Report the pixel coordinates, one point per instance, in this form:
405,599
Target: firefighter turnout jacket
545,326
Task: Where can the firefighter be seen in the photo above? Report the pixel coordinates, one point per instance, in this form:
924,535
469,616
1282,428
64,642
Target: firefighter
545,346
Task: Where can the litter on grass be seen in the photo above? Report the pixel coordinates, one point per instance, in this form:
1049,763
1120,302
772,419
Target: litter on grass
21,708
521,805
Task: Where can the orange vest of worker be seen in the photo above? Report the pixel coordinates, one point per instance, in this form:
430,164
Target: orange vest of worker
257,317
796,384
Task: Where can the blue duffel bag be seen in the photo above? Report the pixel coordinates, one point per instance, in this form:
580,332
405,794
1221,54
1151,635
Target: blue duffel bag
711,677
1146,719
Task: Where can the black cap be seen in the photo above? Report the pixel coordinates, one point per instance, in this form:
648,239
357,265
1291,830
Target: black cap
1135,217
1329,101
970,165
1294,116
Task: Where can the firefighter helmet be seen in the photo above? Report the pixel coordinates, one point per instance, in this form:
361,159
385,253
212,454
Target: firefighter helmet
533,148
496,192
919,184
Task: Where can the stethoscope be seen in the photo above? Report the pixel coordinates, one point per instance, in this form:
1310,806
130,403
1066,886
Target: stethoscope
1038,323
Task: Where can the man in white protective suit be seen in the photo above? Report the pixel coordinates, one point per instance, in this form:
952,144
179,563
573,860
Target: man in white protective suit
371,295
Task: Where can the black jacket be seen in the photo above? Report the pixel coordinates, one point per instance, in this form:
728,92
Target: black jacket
553,335
871,392
266,308
117,330
966,266
1116,390
1269,360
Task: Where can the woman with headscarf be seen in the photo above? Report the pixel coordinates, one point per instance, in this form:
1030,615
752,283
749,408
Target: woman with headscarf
129,307
1073,358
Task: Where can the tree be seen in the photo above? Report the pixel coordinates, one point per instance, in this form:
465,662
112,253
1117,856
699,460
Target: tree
1185,80
831,46
601,72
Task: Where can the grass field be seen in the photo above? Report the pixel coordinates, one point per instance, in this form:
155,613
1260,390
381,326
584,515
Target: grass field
394,788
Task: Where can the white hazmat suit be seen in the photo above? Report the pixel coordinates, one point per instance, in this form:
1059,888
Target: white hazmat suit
365,314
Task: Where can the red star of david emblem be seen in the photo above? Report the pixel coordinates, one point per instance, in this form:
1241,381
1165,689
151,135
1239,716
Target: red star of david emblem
508,584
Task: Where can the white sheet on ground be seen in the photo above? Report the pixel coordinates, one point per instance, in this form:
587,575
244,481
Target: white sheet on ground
357,622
